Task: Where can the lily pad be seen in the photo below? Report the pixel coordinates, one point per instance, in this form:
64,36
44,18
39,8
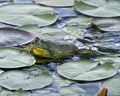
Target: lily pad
81,21
107,24
71,91
34,29
14,37
113,86
21,79
73,32
57,3
114,60
99,8
52,34
60,81
14,58
86,70
32,15
5,92
45,92
45,33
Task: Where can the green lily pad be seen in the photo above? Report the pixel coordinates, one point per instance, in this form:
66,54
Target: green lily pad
73,32
81,21
83,70
22,79
107,24
57,3
46,33
14,58
71,91
52,34
34,29
45,92
14,37
32,15
99,8
5,92
113,86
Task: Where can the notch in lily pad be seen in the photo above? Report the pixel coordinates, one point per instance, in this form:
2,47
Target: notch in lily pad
83,70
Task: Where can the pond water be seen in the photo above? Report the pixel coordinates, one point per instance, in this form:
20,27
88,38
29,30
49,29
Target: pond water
65,14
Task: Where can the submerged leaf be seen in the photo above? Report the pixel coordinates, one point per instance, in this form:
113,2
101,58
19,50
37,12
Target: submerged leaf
71,91
27,14
57,3
99,8
86,70
107,24
31,28
51,34
81,21
21,79
14,58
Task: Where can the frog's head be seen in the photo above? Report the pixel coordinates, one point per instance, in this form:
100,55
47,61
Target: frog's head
87,51
39,48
